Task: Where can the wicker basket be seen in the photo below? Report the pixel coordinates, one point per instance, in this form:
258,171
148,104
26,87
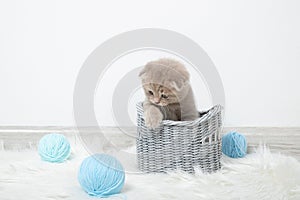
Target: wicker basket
180,144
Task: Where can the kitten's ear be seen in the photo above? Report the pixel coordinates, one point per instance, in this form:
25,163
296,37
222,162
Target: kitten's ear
179,85
185,75
181,80
142,72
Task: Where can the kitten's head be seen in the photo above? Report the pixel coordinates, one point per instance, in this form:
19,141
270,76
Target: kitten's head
164,81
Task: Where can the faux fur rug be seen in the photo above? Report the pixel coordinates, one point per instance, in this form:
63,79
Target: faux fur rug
260,175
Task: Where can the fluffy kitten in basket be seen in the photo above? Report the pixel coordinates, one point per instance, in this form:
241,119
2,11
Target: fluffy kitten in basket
168,92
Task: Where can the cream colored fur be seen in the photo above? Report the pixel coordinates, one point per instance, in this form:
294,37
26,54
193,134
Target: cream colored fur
169,95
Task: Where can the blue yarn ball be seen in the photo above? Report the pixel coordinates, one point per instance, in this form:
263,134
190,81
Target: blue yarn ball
101,175
234,145
54,148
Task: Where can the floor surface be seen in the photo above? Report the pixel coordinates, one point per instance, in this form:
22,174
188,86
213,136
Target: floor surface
283,140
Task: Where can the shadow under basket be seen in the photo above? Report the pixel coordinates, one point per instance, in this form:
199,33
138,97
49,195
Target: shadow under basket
180,145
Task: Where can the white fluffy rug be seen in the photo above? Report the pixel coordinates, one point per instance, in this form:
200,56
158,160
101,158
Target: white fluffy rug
260,175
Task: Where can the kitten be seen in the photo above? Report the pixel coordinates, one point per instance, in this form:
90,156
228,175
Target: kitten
169,95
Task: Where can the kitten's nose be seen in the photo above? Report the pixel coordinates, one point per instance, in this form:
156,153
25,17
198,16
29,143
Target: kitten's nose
156,100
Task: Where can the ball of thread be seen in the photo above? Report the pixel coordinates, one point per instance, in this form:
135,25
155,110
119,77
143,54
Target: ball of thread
54,148
101,175
234,145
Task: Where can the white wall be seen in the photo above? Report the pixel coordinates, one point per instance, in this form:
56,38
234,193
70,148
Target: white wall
254,44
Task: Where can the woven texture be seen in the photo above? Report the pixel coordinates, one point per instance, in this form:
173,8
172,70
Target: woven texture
180,144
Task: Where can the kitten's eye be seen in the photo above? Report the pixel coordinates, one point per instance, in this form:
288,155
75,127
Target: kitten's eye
164,96
150,92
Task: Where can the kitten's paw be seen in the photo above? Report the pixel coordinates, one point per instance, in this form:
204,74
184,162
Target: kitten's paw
153,117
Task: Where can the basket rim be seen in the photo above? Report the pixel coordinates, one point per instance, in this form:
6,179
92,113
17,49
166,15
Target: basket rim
210,113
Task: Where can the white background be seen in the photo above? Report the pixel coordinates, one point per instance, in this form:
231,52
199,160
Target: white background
254,44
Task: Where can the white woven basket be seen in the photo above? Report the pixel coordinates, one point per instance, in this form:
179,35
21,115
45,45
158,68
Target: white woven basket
180,144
